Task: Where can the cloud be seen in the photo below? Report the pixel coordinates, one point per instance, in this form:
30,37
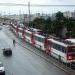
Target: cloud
40,1
67,2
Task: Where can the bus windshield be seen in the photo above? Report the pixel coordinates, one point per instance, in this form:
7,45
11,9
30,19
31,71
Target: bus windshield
71,50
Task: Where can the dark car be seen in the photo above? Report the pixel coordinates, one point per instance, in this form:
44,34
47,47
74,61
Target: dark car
7,51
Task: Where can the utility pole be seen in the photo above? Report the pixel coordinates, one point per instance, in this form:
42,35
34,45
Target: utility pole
29,14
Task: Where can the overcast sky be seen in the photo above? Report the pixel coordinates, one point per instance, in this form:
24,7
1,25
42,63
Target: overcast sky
23,9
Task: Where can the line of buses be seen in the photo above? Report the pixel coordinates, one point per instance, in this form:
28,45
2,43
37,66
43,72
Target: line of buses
61,50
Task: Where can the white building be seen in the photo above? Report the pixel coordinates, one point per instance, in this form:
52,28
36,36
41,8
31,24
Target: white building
73,14
67,14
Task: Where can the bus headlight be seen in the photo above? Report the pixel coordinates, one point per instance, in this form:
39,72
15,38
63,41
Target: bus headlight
69,57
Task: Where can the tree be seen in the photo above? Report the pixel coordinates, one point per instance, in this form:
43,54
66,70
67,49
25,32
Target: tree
48,25
58,24
59,16
39,23
70,24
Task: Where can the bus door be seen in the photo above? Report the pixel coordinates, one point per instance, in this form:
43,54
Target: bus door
47,46
32,38
17,30
23,34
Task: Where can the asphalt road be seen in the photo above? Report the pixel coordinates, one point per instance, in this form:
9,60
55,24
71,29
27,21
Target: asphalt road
23,61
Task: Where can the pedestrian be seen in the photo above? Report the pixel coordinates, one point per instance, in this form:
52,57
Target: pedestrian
14,42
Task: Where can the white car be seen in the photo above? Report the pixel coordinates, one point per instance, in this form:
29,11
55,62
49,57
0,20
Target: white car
2,71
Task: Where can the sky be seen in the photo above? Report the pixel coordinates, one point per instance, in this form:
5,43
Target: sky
24,9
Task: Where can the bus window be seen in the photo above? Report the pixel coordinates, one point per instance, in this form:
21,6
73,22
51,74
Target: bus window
58,47
27,34
39,39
